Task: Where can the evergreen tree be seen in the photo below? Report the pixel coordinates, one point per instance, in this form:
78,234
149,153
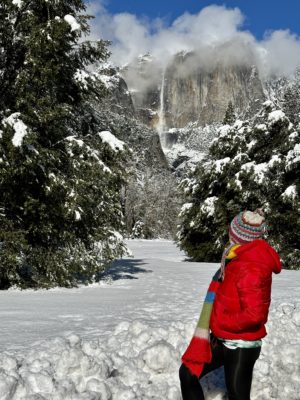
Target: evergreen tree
250,165
11,54
291,100
59,179
230,116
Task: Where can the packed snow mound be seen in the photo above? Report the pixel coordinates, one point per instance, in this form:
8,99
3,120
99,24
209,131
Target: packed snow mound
140,361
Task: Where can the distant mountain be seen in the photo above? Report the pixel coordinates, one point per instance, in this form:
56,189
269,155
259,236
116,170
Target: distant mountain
186,102
187,92
182,105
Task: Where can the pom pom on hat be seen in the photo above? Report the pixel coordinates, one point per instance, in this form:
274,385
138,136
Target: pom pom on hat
247,226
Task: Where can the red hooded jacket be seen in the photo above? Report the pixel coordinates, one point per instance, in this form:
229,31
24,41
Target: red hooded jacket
242,302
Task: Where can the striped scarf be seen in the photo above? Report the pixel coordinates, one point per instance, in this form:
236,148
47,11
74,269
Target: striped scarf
198,352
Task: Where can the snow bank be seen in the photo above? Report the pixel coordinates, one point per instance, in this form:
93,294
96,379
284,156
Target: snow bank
140,361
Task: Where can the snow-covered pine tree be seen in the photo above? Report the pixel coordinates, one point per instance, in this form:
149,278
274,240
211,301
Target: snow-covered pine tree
11,54
60,178
249,165
230,115
291,99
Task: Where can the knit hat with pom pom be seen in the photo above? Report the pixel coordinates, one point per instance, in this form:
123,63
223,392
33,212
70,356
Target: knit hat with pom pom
247,226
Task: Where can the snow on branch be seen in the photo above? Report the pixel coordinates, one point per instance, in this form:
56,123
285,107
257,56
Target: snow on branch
19,127
114,143
18,3
72,22
208,206
290,193
276,116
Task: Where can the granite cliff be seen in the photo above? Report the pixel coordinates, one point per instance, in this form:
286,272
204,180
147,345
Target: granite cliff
185,92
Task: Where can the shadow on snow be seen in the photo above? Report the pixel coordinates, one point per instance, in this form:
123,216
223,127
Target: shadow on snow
124,269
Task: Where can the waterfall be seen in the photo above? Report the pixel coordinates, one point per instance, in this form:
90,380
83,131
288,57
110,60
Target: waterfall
161,114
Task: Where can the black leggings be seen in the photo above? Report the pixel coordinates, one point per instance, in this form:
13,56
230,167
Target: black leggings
238,367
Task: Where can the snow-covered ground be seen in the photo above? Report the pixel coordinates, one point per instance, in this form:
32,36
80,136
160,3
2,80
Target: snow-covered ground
122,339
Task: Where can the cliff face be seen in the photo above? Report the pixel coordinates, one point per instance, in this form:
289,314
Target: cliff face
203,95
118,98
186,92
118,114
143,78
184,103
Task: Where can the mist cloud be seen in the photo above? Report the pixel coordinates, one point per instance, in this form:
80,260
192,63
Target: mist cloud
216,32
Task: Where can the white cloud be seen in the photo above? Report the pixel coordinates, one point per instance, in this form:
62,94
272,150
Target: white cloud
131,37
209,25
215,30
96,7
282,52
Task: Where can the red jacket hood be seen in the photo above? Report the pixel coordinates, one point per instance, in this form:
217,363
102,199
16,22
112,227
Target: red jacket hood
260,251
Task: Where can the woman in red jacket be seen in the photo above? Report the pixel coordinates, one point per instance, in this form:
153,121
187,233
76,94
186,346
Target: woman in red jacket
234,313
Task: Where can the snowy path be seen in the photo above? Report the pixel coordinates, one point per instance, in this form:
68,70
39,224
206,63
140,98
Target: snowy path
122,339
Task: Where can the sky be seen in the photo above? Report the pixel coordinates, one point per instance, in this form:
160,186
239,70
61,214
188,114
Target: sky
261,15
265,33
